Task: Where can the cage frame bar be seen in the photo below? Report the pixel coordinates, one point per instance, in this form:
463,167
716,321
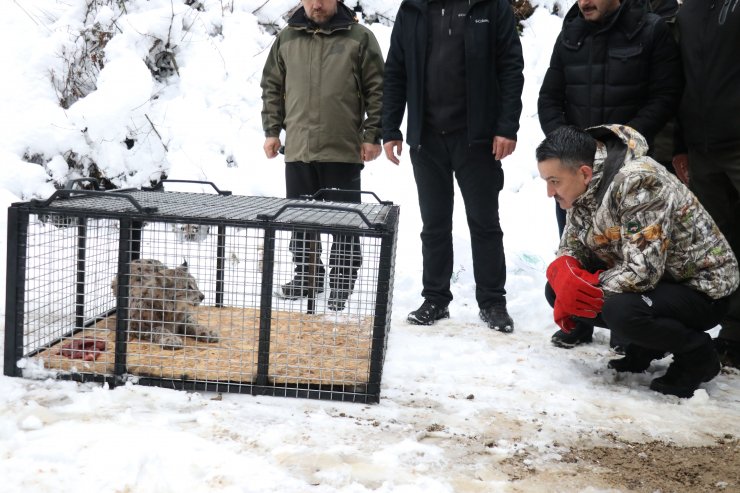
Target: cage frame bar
128,246
220,263
15,289
381,320
81,262
265,327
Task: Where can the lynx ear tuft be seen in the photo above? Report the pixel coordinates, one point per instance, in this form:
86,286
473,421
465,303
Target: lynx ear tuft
184,263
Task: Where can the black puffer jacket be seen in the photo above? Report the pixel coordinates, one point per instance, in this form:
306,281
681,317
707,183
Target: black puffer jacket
709,34
626,70
493,67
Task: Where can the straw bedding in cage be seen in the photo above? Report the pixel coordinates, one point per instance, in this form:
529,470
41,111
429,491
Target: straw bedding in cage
329,349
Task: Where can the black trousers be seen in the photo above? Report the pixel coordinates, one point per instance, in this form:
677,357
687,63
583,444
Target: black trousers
715,179
480,178
345,257
671,318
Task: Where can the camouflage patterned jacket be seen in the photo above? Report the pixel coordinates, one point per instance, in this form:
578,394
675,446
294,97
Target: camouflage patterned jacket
318,84
647,228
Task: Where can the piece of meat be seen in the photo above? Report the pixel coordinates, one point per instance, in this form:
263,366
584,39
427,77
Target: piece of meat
84,349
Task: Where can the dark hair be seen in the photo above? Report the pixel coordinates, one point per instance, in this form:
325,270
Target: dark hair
571,145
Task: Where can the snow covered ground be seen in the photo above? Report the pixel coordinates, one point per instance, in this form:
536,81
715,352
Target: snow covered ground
458,400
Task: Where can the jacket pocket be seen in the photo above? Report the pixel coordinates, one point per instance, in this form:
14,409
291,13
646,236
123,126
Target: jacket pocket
360,98
626,66
625,53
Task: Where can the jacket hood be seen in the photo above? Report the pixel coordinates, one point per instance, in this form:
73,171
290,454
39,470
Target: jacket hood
343,18
619,144
633,140
629,17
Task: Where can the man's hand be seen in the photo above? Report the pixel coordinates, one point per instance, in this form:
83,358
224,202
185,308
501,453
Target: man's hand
502,147
271,147
369,151
393,150
576,288
681,165
563,319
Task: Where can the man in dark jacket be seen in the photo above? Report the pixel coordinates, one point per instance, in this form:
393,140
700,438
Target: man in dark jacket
458,65
708,158
663,143
322,84
613,62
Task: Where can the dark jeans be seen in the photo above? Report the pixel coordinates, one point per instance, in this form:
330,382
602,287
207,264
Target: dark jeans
715,180
670,318
480,178
345,257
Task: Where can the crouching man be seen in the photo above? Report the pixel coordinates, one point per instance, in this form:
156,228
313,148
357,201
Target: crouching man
639,255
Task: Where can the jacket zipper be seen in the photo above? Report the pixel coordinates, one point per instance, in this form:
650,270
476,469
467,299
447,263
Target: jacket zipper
704,34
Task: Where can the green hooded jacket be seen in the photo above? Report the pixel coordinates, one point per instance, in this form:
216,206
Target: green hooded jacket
323,85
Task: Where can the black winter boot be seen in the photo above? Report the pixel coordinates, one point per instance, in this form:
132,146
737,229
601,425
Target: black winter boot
337,299
637,359
617,345
428,313
497,317
688,371
581,334
304,284
341,284
729,351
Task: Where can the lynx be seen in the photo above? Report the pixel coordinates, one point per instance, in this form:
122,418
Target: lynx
161,302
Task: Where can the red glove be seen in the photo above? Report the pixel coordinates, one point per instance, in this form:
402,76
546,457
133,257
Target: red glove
564,320
575,287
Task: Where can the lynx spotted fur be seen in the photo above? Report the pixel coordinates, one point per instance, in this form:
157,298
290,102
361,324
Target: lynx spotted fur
161,302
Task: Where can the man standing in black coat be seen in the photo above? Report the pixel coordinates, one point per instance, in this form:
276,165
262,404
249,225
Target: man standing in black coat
708,153
613,62
458,65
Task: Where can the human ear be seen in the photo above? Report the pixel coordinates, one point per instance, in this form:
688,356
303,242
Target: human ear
587,172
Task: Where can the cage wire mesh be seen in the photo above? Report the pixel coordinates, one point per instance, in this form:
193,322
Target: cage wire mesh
202,291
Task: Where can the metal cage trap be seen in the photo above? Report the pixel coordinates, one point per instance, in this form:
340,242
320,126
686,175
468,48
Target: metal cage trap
202,291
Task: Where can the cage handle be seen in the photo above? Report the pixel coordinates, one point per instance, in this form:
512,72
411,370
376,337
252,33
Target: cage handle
68,194
70,183
268,217
160,185
320,193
